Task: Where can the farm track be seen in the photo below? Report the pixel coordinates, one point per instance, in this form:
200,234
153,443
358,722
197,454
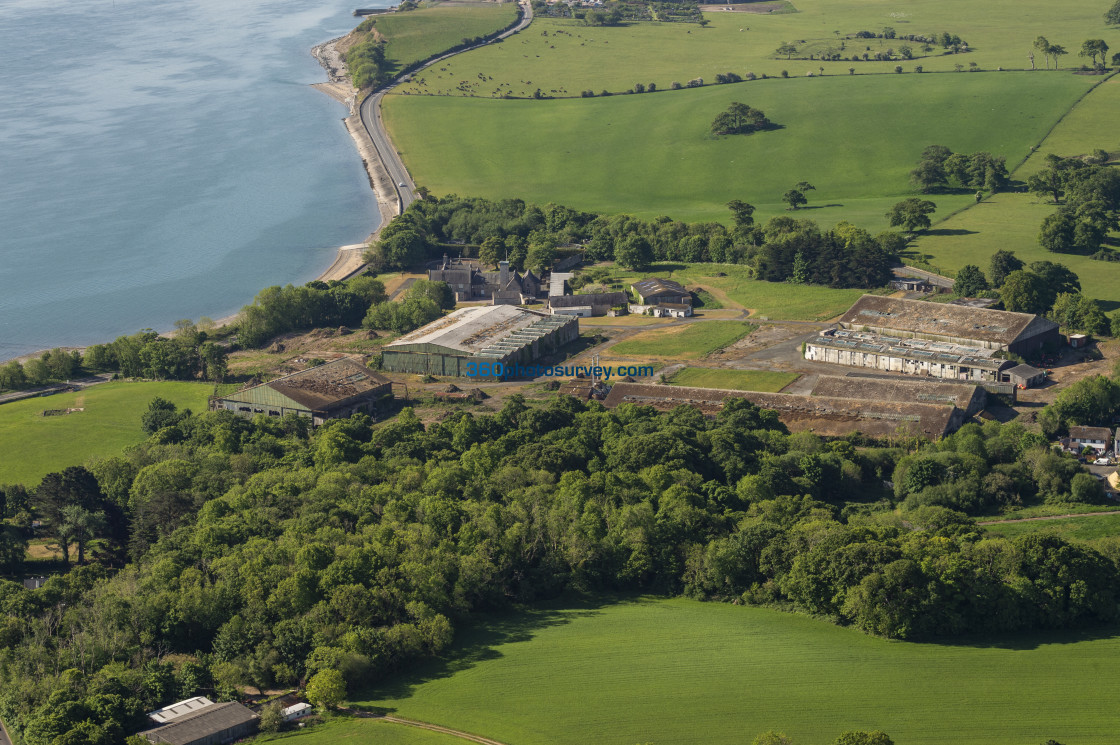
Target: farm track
1048,517
444,730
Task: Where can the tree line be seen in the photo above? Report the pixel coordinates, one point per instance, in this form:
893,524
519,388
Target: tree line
261,554
189,354
527,235
1043,287
1091,207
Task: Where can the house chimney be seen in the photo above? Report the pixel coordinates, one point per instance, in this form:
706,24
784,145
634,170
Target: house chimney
446,262
503,274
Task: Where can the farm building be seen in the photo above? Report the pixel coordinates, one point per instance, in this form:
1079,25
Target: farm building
1097,438
211,725
822,415
659,291
179,709
1024,334
297,711
1023,376
595,304
910,356
333,390
480,334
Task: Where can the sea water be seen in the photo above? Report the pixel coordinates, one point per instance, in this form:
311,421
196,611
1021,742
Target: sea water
162,160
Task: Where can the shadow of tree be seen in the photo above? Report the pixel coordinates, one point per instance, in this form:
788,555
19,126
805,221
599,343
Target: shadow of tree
480,641
951,231
1028,640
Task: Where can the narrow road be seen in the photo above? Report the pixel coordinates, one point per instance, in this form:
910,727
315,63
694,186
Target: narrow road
370,111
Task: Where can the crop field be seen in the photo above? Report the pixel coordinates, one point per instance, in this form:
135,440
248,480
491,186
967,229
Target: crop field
681,672
563,57
854,138
34,445
686,342
419,34
765,381
362,732
1071,528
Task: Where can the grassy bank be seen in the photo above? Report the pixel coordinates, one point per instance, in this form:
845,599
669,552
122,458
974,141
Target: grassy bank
34,445
419,34
680,672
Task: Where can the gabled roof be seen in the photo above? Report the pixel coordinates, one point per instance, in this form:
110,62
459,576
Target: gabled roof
1090,433
942,319
656,286
179,709
596,298
1024,371
202,723
469,330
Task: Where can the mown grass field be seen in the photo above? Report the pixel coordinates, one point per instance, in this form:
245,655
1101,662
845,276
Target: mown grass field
766,381
1011,221
854,138
362,732
567,57
1070,528
32,445
686,342
680,672
419,34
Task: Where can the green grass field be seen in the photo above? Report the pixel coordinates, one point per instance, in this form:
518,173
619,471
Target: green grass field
34,445
419,34
362,732
766,381
854,138
1070,528
564,57
1011,221
681,672
1089,125
686,342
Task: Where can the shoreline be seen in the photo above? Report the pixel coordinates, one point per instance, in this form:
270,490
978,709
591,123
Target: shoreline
348,260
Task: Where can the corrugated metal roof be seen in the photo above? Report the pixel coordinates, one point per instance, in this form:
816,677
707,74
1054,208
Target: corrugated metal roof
315,389
470,330
942,319
201,724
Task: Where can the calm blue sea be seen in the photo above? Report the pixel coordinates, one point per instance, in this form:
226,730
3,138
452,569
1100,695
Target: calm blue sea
163,160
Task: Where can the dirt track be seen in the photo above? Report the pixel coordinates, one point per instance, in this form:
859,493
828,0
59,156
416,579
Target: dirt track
444,730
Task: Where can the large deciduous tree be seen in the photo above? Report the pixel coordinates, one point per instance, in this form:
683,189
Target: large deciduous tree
970,281
1002,264
1023,292
739,118
1093,48
912,214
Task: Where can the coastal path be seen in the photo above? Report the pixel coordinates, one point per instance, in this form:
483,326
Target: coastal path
370,112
